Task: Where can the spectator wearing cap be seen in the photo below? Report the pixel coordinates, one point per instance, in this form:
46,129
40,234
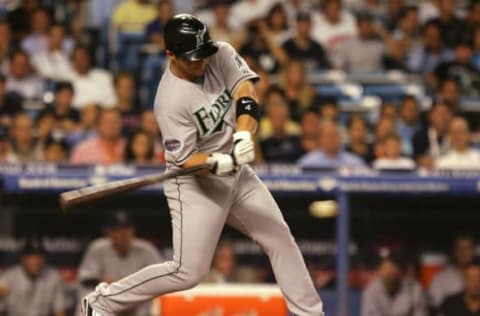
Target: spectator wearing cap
107,146
461,69
467,302
330,154
302,46
10,103
91,85
391,293
450,280
53,63
363,52
431,142
115,256
460,155
333,25
23,147
132,16
21,79
31,287
66,116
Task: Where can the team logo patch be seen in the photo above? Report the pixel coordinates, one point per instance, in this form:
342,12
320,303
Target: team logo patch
173,145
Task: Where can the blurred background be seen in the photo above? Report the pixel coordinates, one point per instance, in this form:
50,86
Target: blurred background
368,141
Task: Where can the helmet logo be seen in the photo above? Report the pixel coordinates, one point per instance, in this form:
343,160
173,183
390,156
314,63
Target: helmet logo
200,36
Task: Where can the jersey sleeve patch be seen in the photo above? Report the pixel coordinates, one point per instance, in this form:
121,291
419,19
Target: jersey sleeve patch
173,145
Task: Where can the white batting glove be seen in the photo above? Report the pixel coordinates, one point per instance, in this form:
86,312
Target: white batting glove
221,164
243,148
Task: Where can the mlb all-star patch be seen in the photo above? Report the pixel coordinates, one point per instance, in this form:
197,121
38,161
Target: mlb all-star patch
173,145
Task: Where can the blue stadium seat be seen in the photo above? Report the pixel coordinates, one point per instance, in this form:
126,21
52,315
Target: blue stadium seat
128,50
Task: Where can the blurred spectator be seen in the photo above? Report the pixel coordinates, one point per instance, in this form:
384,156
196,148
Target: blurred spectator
23,141
467,302
125,95
309,133
329,154
461,69
301,46
392,155
460,155
262,86
390,293
6,45
55,150
431,142
450,280
87,125
91,85
154,29
473,15
280,147
277,23
115,256
430,52
45,125
389,111
53,62
376,8
392,14
452,28
407,29
328,109
149,125
37,40
20,18
261,48
9,103
4,145
476,46
140,148
31,287
244,12
333,25
363,52
66,116
384,127
358,144
20,78
132,16
299,92
408,123
225,268
107,146
221,30
275,97
449,91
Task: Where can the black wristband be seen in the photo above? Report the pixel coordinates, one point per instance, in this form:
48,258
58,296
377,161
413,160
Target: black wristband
248,105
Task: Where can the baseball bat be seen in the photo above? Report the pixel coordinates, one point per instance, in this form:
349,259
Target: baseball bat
93,193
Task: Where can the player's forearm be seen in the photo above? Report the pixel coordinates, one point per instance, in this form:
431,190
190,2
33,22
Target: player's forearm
195,160
246,122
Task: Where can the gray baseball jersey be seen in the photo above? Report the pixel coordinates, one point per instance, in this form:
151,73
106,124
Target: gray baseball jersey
42,296
200,117
102,261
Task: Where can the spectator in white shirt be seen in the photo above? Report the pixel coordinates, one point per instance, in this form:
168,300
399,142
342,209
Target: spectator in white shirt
53,63
38,38
333,25
91,85
461,155
392,158
246,11
20,78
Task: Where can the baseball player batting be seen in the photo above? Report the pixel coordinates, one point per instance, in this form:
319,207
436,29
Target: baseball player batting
207,111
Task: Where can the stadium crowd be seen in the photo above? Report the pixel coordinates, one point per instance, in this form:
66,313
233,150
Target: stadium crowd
66,96
71,92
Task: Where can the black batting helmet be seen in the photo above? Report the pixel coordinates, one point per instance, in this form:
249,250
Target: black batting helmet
186,36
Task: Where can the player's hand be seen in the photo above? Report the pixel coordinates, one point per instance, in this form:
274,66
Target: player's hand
243,148
221,164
